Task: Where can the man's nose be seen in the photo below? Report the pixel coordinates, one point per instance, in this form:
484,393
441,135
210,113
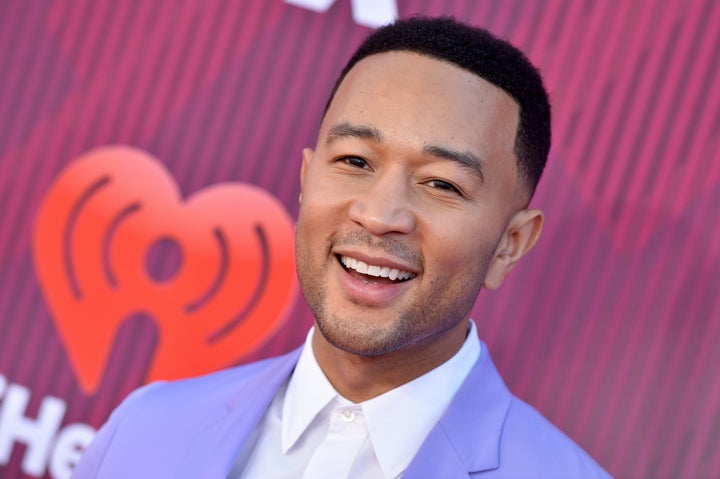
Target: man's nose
385,207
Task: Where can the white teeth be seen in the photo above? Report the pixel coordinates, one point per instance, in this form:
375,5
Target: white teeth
373,270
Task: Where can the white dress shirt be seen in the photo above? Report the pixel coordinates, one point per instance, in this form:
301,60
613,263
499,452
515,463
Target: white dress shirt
310,431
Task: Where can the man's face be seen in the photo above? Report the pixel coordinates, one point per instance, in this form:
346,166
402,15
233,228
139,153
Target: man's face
406,202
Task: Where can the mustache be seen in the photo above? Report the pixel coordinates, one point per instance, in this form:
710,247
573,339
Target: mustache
392,246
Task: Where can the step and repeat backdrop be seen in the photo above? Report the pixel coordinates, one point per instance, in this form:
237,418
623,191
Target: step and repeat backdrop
149,162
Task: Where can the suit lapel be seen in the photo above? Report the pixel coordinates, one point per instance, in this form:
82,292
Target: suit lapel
437,458
212,451
467,437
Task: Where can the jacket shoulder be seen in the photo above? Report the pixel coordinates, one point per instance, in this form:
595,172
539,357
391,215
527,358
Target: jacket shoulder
214,387
160,420
531,446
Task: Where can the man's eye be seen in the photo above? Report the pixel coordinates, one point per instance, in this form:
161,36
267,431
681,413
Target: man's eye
355,161
443,185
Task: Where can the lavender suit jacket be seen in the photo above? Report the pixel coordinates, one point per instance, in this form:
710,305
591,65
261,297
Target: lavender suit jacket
195,428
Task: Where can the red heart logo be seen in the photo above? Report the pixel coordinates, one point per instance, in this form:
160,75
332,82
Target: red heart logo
95,230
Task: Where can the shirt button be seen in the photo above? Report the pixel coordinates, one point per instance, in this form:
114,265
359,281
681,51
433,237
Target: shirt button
348,415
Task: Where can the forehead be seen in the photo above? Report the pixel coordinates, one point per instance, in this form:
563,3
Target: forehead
418,98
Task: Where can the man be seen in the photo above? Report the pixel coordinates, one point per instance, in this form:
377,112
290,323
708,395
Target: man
414,198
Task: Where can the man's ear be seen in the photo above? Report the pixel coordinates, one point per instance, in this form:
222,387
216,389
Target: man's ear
522,232
307,155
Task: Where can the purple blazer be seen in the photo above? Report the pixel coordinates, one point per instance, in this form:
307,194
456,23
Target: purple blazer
195,428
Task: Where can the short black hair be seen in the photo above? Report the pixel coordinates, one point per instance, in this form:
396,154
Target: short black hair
480,52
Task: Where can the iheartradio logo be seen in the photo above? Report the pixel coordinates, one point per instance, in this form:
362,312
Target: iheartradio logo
96,232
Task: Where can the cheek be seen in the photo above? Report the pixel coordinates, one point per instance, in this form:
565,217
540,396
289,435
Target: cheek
465,247
318,214
319,218
323,192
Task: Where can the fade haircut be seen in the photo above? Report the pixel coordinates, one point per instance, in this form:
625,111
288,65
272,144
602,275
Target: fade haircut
480,52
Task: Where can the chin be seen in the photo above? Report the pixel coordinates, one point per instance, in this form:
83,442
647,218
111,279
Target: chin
367,337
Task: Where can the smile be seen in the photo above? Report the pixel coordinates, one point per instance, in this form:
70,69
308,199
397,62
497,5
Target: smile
361,267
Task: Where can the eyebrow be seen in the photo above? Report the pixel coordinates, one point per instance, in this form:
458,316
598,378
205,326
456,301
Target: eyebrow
347,130
466,159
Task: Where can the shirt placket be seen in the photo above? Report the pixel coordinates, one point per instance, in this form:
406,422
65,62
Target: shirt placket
335,455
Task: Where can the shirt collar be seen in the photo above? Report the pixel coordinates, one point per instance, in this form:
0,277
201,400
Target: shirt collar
397,421
308,393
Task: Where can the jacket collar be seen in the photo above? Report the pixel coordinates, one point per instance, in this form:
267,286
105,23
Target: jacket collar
213,450
467,437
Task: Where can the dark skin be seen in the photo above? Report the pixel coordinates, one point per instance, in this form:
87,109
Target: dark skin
399,229
359,378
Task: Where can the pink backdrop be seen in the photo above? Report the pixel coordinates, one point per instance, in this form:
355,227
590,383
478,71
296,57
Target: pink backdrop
610,327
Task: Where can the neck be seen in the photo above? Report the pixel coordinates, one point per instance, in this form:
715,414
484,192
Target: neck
359,378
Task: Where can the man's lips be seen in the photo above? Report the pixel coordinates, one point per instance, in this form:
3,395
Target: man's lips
374,288
362,269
